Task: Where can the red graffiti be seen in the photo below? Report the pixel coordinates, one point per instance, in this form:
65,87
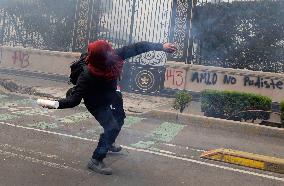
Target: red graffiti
175,77
22,58
170,75
179,77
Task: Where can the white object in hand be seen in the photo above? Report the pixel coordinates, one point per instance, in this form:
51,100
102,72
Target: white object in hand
48,103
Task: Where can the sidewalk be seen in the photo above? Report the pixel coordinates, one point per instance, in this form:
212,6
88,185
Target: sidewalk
137,104
133,103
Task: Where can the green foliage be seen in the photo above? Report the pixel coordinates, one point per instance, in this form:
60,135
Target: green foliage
235,105
282,112
241,34
182,100
41,24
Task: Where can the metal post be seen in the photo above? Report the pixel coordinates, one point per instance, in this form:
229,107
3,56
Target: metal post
132,21
2,31
189,58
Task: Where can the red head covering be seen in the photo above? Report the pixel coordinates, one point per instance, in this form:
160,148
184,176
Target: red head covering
102,60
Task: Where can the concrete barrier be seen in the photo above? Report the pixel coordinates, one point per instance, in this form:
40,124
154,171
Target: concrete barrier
178,75
197,78
37,60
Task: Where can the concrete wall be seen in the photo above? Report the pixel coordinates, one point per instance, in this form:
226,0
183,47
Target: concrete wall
178,76
36,60
197,78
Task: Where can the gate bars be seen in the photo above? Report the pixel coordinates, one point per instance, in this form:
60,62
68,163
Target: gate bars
124,22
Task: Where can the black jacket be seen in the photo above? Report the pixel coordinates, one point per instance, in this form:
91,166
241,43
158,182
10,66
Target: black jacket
98,92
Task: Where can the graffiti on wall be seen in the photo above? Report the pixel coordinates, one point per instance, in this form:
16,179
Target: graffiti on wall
261,82
208,78
17,58
21,58
212,78
175,78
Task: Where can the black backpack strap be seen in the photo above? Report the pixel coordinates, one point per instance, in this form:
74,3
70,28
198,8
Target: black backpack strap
83,56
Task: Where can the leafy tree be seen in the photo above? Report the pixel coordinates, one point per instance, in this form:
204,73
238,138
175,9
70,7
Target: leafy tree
45,24
241,34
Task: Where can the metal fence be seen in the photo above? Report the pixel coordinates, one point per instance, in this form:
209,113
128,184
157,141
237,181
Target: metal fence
37,24
125,22
68,25
226,33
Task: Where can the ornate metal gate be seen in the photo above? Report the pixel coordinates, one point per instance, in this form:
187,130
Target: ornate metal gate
68,25
124,22
37,23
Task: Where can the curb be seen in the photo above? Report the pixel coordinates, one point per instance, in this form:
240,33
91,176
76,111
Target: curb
246,159
215,123
14,87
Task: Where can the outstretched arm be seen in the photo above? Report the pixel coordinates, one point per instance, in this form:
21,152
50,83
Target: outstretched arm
142,47
77,95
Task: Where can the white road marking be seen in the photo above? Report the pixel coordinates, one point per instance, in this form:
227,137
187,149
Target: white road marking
165,151
170,145
34,160
155,153
182,147
48,132
7,146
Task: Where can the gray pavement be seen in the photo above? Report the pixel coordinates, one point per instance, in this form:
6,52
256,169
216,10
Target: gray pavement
52,147
44,87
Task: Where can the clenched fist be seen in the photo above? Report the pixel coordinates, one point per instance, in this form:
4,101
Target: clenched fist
169,48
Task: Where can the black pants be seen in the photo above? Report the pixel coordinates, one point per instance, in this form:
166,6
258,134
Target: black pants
111,119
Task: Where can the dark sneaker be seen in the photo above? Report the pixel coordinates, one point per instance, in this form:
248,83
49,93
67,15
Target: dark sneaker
115,148
99,167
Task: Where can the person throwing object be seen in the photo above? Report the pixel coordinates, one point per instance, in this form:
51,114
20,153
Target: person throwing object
97,85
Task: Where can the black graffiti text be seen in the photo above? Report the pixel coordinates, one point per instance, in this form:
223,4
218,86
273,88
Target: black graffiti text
229,80
260,82
204,77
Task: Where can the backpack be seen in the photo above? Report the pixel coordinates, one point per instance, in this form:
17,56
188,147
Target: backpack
76,68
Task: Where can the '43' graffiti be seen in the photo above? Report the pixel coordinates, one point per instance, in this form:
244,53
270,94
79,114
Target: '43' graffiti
175,78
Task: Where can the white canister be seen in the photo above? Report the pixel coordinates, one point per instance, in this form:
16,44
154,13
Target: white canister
48,103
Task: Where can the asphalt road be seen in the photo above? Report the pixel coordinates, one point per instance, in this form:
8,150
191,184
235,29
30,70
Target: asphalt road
52,147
